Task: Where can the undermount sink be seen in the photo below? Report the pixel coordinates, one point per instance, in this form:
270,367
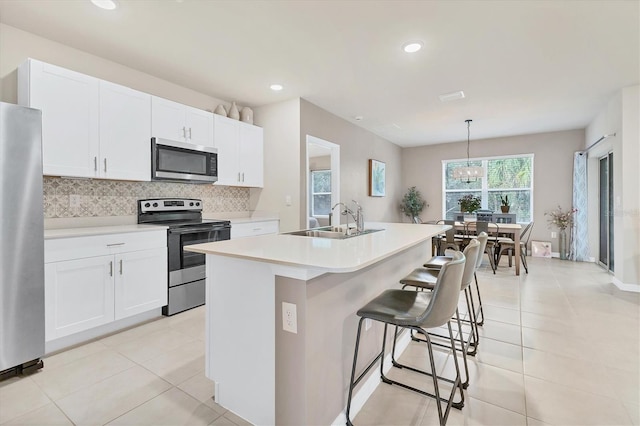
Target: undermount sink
333,232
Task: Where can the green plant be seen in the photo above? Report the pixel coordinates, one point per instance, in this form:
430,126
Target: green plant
505,201
412,203
469,203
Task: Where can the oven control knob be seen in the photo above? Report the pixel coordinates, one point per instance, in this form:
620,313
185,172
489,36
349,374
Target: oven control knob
155,204
147,205
191,204
197,204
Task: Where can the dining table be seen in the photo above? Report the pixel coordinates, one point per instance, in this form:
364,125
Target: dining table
511,229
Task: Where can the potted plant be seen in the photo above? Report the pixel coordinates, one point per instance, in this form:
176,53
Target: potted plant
469,203
413,204
506,204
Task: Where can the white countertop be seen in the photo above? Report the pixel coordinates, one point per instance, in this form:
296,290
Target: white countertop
242,217
329,255
50,234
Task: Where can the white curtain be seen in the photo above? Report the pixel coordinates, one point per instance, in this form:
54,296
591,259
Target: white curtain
580,236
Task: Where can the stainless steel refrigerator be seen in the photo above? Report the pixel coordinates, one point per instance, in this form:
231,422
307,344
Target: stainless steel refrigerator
21,240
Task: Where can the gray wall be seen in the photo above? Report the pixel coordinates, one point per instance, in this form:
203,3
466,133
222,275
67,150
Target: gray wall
619,116
357,146
553,171
281,123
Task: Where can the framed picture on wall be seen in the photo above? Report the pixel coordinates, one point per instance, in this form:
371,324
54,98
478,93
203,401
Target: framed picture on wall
377,179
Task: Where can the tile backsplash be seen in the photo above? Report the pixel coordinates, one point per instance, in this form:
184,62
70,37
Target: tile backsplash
98,198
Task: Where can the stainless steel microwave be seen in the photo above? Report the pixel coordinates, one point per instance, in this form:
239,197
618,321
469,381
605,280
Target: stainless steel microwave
183,162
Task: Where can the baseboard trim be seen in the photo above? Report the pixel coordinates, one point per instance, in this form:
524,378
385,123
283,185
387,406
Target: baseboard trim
62,343
633,288
370,385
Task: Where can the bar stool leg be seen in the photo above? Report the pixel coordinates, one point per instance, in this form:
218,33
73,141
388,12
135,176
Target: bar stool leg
474,336
480,321
465,384
353,372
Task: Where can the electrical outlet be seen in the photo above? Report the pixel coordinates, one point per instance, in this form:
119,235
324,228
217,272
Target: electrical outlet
289,318
367,324
554,235
74,201
287,200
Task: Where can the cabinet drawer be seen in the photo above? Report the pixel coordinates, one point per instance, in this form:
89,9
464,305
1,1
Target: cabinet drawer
251,229
61,249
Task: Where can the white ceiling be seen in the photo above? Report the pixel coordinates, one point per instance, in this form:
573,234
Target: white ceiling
524,66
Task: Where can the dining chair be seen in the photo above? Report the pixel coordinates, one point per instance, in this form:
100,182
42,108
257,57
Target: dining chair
450,240
492,242
509,247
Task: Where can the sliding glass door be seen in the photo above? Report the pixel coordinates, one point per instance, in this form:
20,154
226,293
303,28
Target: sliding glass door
606,212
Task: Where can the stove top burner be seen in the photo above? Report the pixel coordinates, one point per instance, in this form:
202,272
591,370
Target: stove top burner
174,213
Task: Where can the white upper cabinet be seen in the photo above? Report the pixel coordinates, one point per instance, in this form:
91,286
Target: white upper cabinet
240,152
69,104
90,128
178,122
125,133
251,153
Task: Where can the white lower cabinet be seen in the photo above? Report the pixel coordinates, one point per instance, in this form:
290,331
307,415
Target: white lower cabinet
86,292
78,295
252,229
136,283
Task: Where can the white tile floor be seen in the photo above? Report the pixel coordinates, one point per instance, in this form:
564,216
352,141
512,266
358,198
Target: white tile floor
560,346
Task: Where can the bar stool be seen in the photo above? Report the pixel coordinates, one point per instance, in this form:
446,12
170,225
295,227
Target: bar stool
437,262
416,310
425,279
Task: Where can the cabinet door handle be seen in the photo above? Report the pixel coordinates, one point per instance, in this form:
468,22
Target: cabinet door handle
115,244
184,132
120,266
243,176
190,137
238,176
95,164
111,268
105,165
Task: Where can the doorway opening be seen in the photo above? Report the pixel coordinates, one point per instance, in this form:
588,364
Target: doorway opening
606,258
323,181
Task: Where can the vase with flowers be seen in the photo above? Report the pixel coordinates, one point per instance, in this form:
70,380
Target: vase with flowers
562,220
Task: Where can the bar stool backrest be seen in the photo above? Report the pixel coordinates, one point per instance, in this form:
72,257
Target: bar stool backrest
471,253
482,239
445,295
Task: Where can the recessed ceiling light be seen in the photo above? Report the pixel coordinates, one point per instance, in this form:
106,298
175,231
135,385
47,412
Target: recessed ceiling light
105,4
453,96
276,87
358,118
412,46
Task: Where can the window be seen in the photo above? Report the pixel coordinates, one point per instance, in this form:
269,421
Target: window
511,176
320,192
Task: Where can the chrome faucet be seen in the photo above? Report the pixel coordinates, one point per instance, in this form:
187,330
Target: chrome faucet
346,212
359,218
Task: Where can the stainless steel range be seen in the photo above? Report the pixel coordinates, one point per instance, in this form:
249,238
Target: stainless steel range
187,271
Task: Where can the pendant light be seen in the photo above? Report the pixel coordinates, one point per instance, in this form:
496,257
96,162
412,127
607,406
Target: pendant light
468,173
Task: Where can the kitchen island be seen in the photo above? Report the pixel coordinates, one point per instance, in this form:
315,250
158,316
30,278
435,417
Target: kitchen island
270,376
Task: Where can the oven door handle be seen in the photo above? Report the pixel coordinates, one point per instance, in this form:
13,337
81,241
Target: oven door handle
194,230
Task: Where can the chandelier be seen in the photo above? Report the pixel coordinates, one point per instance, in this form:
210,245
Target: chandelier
469,173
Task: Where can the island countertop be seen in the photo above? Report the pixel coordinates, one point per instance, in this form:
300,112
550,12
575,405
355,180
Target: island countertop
328,255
